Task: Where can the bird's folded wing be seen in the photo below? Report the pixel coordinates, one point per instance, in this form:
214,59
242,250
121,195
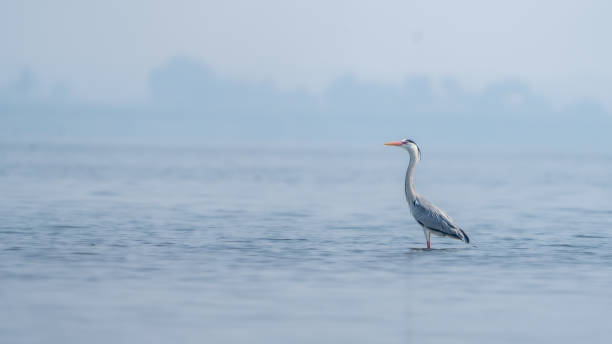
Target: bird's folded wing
432,217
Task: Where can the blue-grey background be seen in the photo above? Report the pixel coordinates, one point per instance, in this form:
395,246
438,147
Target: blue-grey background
474,72
214,172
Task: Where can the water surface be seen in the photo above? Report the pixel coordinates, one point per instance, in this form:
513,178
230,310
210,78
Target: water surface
193,244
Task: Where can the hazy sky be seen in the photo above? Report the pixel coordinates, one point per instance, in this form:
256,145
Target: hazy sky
105,50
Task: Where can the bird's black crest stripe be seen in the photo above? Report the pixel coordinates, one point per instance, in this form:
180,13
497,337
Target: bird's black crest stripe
409,140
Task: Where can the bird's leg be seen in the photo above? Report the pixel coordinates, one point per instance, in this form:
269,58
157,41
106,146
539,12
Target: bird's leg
427,236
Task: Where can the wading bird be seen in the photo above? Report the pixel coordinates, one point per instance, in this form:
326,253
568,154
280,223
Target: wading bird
431,218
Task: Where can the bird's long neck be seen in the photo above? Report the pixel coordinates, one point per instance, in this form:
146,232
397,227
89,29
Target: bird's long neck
409,186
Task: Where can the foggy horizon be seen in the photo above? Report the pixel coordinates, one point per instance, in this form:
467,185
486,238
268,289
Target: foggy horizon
105,52
188,99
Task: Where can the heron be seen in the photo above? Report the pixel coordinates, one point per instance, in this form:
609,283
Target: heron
431,218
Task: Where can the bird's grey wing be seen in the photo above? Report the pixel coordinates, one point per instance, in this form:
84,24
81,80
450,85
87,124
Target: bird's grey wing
432,217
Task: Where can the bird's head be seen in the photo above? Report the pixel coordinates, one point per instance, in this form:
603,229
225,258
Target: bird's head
408,145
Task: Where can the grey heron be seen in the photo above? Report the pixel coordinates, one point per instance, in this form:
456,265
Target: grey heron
431,218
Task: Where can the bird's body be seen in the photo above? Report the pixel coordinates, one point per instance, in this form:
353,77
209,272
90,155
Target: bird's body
435,221
431,218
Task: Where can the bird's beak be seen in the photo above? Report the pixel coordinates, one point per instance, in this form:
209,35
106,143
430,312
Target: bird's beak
394,143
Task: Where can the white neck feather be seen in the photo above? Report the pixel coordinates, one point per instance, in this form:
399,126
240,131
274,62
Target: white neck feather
409,185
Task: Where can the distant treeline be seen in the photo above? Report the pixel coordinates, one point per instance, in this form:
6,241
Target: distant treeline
188,101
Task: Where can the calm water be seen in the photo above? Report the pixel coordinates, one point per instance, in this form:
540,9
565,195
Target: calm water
149,244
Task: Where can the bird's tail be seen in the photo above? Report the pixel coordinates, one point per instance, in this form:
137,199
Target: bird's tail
465,237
